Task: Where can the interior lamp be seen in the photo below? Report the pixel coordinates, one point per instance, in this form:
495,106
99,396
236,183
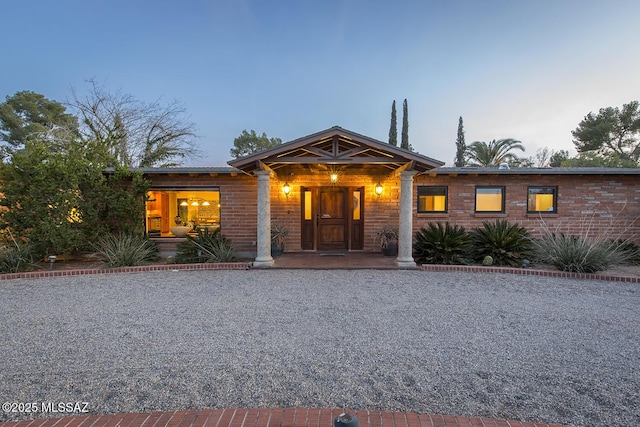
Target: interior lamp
378,189
184,203
205,203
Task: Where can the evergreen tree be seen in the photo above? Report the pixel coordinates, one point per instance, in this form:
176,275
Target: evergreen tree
461,147
393,130
405,126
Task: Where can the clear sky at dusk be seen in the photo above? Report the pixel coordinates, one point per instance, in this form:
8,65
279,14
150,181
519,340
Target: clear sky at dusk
525,69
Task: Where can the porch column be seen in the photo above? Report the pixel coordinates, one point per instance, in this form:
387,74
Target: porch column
264,258
405,234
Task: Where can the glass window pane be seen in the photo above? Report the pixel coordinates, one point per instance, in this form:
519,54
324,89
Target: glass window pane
541,199
356,205
307,205
489,199
432,199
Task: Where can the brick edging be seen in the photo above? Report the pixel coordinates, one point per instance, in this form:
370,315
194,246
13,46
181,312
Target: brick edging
142,268
271,417
529,272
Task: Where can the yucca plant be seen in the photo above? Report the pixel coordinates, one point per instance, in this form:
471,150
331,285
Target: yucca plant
123,250
206,246
580,255
508,244
442,244
15,258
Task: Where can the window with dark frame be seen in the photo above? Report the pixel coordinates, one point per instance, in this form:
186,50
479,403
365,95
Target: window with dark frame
542,199
432,199
490,199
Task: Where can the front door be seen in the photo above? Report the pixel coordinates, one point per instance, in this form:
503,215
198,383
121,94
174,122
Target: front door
332,218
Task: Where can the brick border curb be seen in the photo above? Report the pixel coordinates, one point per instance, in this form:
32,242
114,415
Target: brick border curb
142,268
529,272
269,417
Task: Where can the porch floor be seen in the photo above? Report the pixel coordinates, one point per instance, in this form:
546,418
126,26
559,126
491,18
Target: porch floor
333,260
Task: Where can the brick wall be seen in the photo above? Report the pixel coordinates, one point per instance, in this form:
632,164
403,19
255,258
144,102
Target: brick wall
603,203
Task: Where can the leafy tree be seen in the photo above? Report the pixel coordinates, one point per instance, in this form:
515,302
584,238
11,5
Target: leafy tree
557,158
592,159
461,147
136,134
28,114
249,143
59,201
479,153
611,131
405,126
393,129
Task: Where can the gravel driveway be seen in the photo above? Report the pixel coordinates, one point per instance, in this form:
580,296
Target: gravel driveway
514,347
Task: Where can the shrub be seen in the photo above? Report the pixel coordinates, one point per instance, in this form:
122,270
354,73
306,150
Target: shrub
121,250
207,246
15,258
507,244
580,255
630,249
442,244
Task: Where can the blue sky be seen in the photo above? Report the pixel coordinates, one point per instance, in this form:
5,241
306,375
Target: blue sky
524,69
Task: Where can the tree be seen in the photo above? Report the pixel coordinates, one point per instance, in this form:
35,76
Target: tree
479,153
557,158
59,201
405,126
592,160
136,134
28,114
611,131
461,147
393,129
249,143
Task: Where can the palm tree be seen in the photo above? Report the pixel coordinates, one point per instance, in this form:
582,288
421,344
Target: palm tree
479,153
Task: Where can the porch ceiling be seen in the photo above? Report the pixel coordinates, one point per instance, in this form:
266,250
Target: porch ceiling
336,147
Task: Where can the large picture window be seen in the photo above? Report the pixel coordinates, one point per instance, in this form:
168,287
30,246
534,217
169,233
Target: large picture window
490,199
169,208
432,199
542,199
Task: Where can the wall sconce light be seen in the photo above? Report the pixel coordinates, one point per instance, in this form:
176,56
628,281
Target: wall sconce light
378,189
333,177
286,189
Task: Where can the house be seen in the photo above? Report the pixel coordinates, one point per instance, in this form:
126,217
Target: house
334,189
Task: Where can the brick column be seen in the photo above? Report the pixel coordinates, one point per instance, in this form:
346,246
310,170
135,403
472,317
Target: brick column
405,235
263,258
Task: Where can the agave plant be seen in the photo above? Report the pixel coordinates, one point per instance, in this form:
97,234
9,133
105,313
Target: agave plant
121,250
206,246
507,244
442,244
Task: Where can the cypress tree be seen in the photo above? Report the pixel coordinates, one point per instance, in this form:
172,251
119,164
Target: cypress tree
405,126
393,130
461,147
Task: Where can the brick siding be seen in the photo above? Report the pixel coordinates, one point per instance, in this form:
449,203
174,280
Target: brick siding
604,204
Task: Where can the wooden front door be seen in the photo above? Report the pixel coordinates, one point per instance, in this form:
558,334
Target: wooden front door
332,218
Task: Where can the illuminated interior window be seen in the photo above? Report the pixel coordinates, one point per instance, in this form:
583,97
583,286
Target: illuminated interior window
356,205
308,211
193,208
541,199
432,199
489,199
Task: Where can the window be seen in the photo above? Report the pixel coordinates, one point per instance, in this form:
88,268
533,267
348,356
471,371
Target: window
171,207
542,199
432,199
490,199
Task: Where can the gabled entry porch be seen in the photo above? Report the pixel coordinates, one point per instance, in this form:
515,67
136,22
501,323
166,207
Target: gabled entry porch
333,190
